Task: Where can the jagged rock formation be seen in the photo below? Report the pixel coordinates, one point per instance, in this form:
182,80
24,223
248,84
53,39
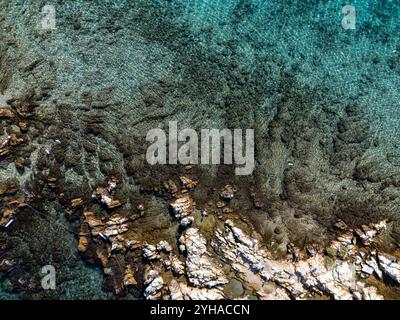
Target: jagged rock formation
75,144
199,268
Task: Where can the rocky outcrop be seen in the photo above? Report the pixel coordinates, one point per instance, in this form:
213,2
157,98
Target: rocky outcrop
116,225
300,279
105,194
200,269
227,193
181,291
177,266
129,278
17,119
164,246
7,113
153,252
154,283
367,233
182,206
390,266
150,252
188,183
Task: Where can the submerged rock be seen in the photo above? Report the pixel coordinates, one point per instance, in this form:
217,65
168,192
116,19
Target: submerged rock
177,266
129,278
201,271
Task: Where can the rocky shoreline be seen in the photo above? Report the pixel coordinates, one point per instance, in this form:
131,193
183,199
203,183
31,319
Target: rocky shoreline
198,269
318,218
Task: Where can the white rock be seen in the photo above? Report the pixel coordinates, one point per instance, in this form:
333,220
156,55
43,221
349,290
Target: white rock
150,252
164,246
367,269
177,266
167,264
371,293
368,233
357,295
367,293
182,206
390,266
250,259
277,294
154,283
374,265
200,270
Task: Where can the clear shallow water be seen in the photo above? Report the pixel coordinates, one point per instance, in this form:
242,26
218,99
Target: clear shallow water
287,69
6,292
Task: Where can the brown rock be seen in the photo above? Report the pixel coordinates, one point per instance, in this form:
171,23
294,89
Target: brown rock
4,151
103,195
19,163
227,210
25,109
129,279
221,204
227,193
6,215
171,187
187,182
23,125
76,202
9,187
15,140
103,257
95,224
341,225
7,113
132,244
83,243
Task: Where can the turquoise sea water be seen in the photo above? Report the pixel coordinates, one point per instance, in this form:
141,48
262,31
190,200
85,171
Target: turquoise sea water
321,96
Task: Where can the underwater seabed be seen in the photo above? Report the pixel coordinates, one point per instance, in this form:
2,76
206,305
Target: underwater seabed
77,193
